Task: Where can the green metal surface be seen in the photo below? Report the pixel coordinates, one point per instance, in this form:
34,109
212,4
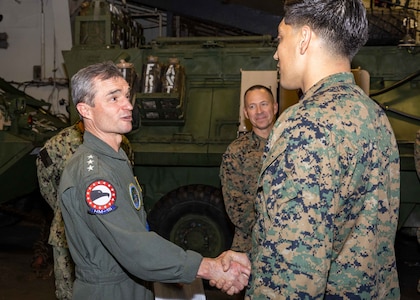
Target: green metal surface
25,126
170,156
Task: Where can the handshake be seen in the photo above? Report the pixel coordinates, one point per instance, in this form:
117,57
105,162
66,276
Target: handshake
229,271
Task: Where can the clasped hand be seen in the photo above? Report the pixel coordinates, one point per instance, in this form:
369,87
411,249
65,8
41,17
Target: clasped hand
228,272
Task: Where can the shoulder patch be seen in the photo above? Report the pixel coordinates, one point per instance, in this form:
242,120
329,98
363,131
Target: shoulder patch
45,157
136,195
101,197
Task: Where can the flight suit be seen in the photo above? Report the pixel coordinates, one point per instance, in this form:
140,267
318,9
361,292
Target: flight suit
50,164
106,228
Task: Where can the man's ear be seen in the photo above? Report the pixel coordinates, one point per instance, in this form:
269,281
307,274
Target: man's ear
246,114
83,109
276,107
305,36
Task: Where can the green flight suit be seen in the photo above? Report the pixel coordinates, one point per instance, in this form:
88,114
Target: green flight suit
106,228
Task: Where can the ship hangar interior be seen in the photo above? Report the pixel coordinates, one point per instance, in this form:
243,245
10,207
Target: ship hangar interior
26,268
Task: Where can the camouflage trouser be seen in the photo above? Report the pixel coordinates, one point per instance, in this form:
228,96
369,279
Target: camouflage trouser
63,272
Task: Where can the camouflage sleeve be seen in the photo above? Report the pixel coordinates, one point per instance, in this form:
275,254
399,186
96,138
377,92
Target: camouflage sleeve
298,208
52,158
238,207
417,153
126,146
48,179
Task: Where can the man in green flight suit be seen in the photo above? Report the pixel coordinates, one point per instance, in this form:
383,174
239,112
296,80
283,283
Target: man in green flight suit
116,256
50,164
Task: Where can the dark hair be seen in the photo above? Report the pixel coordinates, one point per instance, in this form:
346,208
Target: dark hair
341,23
83,82
259,87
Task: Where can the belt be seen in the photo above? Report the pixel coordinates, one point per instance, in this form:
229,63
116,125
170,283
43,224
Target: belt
97,276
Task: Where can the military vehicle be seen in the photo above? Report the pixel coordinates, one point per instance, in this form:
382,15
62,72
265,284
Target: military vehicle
187,106
182,134
25,124
187,94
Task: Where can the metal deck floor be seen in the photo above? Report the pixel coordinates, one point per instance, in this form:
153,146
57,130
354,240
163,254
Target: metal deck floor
18,280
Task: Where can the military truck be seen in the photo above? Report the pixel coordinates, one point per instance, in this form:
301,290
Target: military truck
187,95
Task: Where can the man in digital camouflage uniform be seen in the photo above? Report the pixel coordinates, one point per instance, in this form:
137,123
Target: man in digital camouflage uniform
241,164
328,195
50,164
417,162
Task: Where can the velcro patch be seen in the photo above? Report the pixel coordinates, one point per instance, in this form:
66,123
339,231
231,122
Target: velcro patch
101,197
45,157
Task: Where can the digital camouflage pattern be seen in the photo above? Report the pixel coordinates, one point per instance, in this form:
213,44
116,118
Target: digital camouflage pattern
63,272
239,170
50,164
328,200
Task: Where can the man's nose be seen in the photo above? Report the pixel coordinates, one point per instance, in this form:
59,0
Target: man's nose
127,104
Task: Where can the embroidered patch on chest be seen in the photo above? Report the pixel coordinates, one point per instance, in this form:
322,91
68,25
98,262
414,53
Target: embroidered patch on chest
101,197
136,196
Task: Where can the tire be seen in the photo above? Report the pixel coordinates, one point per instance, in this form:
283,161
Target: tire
194,218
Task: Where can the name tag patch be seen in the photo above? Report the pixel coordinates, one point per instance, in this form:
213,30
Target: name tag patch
101,197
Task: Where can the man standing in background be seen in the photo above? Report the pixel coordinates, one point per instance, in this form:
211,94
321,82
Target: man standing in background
241,164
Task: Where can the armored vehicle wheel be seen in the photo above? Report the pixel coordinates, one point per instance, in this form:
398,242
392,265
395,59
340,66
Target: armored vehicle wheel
193,217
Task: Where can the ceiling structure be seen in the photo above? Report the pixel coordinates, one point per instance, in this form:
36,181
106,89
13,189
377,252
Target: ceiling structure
259,17
239,17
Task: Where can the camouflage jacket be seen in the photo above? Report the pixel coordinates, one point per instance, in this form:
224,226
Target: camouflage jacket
50,163
241,165
328,200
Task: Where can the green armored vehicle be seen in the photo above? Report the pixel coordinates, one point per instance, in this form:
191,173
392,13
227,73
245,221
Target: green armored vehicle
182,133
187,95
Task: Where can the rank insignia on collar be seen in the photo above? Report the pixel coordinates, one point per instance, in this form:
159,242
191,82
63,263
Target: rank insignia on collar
136,196
101,197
